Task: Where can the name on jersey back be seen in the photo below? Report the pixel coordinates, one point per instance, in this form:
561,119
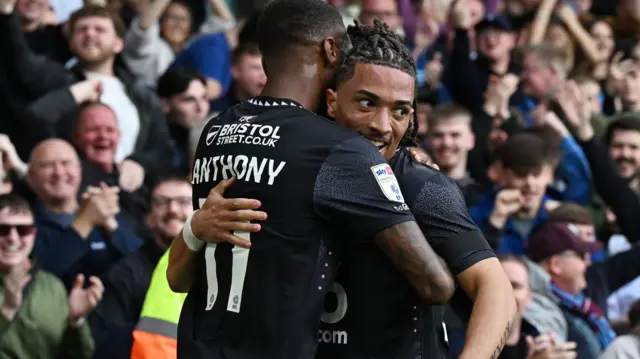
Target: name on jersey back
244,168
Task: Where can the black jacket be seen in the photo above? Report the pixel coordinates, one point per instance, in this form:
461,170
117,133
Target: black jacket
47,81
126,284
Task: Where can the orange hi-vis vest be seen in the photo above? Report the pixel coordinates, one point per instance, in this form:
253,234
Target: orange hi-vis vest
156,335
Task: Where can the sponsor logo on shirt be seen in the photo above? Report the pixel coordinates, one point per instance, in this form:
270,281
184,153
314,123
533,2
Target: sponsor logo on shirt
243,133
246,118
401,208
333,336
212,134
387,182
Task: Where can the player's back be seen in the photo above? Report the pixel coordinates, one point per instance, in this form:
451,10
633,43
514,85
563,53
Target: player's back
265,302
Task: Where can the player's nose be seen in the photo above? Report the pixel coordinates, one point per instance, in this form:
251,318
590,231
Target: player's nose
381,123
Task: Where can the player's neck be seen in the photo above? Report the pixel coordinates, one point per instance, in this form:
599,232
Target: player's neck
305,89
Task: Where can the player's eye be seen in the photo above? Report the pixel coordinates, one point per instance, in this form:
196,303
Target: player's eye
365,103
403,111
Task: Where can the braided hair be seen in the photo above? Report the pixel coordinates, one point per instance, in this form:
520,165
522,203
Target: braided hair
378,45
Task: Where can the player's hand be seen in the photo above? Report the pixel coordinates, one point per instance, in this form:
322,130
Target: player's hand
422,157
221,220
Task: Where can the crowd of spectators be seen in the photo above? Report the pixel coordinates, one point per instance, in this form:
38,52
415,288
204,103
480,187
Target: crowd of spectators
531,106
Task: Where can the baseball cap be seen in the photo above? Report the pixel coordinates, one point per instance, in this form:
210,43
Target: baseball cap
555,238
495,21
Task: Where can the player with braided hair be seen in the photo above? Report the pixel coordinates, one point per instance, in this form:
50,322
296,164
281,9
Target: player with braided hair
378,45
372,312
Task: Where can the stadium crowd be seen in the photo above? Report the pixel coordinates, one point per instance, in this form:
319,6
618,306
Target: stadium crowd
531,106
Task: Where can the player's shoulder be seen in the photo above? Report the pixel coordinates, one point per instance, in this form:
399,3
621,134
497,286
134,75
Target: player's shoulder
284,112
411,171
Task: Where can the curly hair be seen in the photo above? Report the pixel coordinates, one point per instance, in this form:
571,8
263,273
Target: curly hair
377,44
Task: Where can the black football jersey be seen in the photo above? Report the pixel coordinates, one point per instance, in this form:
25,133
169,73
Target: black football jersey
372,312
314,178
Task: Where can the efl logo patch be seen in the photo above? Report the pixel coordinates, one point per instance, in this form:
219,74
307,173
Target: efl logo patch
387,182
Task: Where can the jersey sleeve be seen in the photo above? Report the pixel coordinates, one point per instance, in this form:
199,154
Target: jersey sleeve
443,216
356,189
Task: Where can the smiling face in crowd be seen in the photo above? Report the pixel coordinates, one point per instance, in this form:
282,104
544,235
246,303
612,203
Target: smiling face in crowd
96,135
170,206
624,149
55,171
175,25
450,141
376,102
17,235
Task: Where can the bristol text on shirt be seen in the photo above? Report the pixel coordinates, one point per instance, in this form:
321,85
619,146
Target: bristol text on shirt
243,133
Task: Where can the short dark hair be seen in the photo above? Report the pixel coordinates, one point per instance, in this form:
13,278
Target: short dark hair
159,180
447,111
98,11
169,177
626,122
569,212
377,44
176,80
526,152
286,23
250,48
508,257
14,204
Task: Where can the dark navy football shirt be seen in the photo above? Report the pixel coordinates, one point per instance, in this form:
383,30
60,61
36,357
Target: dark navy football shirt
314,179
372,312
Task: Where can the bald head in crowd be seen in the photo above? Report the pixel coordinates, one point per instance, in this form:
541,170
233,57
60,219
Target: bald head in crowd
55,174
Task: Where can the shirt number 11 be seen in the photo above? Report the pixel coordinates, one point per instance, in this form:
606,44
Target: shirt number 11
239,262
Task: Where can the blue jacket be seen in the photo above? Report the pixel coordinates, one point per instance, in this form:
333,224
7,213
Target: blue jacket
573,175
510,239
61,251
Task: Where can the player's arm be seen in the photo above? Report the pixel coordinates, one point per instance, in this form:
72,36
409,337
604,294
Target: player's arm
440,209
214,222
409,251
182,265
494,309
357,190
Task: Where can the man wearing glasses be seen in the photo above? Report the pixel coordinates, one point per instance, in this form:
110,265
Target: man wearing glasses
127,281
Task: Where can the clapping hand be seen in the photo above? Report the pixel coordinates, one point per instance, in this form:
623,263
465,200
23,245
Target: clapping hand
83,300
14,284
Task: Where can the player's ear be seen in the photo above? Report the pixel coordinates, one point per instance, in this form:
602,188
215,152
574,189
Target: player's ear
330,51
332,102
